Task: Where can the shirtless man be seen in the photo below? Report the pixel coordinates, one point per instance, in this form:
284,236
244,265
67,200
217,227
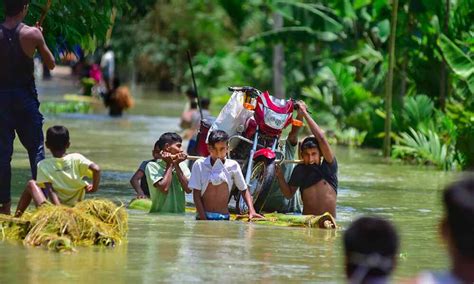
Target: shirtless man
212,179
316,178
19,106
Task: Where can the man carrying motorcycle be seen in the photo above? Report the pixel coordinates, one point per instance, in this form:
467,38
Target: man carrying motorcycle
276,201
316,178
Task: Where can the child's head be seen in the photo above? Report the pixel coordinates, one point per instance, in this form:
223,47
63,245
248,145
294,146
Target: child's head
156,150
170,142
57,138
370,246
116,82
15,7
217,144
191,95
310,151
205,102
457,226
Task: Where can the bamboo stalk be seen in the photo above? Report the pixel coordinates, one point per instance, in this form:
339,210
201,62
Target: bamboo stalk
325,221
389,83
45,11
193,158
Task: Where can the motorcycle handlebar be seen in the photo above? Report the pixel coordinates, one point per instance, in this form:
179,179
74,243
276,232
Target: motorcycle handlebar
252,90
296,106
246,89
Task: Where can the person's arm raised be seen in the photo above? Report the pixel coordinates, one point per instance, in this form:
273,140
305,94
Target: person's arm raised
319,134
46,55
293,135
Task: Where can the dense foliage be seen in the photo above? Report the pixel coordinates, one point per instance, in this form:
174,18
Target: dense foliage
69,23
336,59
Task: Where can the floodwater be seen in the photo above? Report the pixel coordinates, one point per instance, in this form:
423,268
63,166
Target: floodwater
167,248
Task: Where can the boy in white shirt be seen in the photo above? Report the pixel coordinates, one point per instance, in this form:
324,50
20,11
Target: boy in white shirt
212,179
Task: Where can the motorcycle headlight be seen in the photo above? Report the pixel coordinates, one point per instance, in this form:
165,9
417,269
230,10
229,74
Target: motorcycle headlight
274,120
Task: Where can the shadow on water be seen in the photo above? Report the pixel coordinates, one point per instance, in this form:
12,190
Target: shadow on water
180,249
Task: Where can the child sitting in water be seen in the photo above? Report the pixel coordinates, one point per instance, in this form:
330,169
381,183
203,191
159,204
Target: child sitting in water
212,179
138,180
61,177
167,177
316,178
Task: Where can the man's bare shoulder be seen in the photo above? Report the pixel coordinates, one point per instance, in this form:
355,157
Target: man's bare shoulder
31,33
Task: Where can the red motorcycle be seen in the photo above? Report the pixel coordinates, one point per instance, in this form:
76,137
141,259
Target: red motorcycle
255,143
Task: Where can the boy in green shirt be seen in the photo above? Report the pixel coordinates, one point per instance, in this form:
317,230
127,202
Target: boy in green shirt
167,177
60,178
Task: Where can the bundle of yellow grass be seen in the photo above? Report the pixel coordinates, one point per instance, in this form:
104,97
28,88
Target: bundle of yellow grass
123,98
90,222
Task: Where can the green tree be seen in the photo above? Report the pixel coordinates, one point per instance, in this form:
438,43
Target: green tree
74,22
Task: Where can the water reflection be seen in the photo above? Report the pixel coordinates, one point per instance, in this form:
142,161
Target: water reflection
180,249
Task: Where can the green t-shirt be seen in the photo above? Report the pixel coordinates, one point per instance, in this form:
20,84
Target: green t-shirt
174,200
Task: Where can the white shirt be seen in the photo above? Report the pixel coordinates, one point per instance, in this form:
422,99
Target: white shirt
445,277
108,62
204,173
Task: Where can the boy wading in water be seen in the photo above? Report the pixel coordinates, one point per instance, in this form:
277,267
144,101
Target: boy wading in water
167,177
138,180
316,178
19,106
60,177
212,179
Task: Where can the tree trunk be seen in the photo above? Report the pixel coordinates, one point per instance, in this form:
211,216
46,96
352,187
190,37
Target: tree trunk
108,35
389,83
443,76
278,61
403,77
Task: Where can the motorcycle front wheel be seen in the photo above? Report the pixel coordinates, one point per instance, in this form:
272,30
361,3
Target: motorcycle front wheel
261,179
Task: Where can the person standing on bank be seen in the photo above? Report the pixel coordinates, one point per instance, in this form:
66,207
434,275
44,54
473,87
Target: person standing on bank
19,105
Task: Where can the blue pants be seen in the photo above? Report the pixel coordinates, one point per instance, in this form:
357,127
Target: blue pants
19,111
215,216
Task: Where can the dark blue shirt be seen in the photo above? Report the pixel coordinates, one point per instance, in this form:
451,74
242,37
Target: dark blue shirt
304,176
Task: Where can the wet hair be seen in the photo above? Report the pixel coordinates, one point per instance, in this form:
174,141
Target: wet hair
168,138
116,82
190,93
217,136
459,204
310,143
157,145
205,102
14,7
370,245
57,137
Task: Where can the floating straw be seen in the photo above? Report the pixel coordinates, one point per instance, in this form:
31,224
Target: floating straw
61,228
